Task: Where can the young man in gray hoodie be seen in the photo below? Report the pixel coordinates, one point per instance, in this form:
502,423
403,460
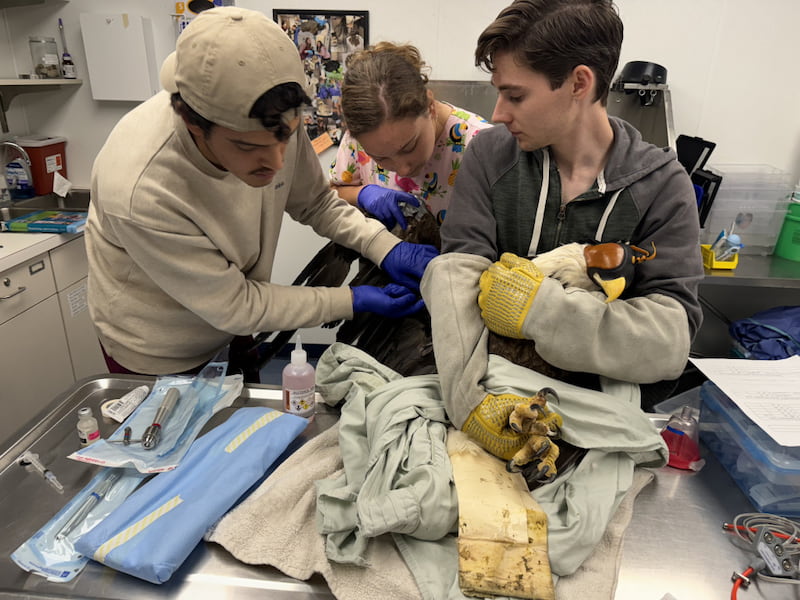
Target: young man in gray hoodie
557,170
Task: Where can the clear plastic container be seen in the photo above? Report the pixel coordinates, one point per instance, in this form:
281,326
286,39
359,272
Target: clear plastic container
44,54
767,473
752,198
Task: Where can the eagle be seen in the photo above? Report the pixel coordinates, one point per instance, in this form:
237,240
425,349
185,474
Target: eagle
405,345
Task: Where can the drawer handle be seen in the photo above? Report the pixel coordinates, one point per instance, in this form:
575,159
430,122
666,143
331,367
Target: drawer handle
19,291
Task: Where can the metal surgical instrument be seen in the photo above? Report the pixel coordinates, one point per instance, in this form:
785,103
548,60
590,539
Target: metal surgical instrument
88,504
153,433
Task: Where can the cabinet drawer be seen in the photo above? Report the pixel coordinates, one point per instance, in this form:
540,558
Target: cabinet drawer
40,371
69,263
25,285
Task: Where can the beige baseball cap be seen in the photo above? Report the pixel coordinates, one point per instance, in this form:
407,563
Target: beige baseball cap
225,60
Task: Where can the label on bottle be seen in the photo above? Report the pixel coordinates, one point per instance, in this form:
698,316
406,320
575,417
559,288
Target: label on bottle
299,402
87,438
69,71
16,177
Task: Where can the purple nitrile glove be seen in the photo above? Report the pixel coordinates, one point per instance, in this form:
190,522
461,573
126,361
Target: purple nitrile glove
383,204
392,300
406,262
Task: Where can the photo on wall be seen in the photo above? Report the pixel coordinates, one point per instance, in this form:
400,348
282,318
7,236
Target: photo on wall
324,39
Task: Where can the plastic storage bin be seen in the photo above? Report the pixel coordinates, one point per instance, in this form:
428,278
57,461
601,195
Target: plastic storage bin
788,245
753,198
47,156
767,473
710,262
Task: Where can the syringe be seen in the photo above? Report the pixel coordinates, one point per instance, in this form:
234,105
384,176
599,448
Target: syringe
31,462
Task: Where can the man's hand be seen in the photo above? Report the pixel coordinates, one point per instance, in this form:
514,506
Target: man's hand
383,204
507,290
406,262
393,300
518,430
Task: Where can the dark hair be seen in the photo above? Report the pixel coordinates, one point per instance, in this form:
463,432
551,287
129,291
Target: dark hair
269,108
553,37
383,83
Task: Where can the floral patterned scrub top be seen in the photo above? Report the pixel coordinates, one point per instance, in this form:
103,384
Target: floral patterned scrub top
352,166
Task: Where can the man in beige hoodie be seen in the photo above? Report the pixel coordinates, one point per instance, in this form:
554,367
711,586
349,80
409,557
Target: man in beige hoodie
188,195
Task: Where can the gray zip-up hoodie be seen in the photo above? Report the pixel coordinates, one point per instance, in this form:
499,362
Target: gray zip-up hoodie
643,196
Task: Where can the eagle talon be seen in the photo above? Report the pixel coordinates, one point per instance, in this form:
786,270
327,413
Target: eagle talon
542,475
512,466
545,392
543,449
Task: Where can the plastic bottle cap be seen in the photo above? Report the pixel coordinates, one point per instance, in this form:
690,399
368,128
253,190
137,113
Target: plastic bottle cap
298,354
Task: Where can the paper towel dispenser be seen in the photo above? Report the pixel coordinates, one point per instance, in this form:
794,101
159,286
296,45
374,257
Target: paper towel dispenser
120,56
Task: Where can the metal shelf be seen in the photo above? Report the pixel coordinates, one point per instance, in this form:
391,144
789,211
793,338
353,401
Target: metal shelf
11,88
757,271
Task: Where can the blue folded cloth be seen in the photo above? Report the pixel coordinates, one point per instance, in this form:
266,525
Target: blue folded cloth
156,528
771,334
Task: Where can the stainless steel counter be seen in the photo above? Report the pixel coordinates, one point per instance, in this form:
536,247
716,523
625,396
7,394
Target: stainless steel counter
674,544
27,503
757,271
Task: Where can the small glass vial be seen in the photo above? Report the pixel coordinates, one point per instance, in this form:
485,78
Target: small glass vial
88,429
44,54
68,67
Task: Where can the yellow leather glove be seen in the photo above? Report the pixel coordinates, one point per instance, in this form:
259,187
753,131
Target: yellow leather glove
488,425
508,288
517,429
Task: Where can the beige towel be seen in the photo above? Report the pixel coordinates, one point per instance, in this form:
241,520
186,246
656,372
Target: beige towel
596,578
276,525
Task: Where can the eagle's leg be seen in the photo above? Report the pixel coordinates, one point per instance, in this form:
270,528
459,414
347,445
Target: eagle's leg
536,419
541,449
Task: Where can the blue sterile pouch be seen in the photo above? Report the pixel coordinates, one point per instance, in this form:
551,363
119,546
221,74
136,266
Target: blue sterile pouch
156,528
200,397
50,552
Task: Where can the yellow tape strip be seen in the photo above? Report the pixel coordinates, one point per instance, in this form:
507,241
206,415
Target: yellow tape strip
135,529
258,424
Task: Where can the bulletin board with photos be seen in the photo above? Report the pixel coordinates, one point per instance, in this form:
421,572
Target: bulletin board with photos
324,39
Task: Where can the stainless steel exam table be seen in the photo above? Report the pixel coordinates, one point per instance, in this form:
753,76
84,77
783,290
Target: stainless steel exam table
674,544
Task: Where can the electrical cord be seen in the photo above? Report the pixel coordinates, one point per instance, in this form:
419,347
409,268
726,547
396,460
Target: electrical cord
714,310
774,540
740,579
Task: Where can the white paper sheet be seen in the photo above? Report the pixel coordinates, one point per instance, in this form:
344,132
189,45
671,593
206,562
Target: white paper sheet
767,391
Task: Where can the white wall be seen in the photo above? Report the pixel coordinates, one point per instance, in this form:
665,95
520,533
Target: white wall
732,71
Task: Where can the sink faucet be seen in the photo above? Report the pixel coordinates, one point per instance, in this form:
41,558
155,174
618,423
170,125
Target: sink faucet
7,148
